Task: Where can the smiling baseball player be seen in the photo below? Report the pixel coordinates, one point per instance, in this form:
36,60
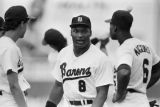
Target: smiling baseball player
82,71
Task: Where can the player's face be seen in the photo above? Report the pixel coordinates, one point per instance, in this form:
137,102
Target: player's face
23,30
112,32
81,36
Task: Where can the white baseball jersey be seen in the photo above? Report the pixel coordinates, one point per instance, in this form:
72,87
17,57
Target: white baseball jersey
140,57
10,58
81,75
52,56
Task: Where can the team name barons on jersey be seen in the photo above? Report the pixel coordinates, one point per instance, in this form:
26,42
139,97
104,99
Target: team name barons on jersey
140,49
70,74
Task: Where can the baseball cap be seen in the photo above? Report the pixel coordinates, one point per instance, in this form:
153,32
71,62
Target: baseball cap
121,18
16,13
81,20
52,36
1,23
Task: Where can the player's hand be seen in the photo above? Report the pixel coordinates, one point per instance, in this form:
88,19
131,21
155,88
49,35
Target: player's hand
104,42
119,98
94,41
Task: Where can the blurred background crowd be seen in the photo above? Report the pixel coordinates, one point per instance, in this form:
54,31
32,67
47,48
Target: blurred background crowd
58,14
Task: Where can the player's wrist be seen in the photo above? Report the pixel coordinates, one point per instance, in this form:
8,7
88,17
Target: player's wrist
50,104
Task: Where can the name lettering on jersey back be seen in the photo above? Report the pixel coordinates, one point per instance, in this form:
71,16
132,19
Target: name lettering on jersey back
141,49
20,66
70,74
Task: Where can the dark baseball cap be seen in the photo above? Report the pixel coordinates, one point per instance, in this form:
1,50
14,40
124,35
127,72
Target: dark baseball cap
121,18
16,13
52,36
1,23
80,20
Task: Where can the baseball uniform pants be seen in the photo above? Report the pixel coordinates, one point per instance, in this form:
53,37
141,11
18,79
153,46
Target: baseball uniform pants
134,99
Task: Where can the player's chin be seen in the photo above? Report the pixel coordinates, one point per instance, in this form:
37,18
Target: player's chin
113,38
21,36
80,45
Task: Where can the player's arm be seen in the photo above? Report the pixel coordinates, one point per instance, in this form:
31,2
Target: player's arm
104,42
15,88
55,95
102,92
123,77
103,79
9,64
155,75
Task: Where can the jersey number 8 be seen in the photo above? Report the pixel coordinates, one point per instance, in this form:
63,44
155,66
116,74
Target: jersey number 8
82,86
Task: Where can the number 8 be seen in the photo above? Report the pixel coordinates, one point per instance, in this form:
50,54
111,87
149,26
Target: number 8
82,86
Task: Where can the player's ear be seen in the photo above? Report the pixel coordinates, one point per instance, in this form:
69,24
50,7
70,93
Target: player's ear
22,23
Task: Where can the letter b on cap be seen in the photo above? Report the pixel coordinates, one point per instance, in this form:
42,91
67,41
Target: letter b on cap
79,19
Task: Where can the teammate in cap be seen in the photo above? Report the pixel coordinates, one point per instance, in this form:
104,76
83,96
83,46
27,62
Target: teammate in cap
104,41
56,41
1,26
13,85
137,67
83,73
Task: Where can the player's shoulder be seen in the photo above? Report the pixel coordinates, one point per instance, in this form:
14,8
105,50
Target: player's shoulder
98,53
134,42
96,50
67,48
7,42
130,44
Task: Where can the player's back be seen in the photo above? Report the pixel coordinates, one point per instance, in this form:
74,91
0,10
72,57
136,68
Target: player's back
6,44
141,63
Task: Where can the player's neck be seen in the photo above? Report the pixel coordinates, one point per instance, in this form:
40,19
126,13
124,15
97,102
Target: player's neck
124,36
79,51
11,34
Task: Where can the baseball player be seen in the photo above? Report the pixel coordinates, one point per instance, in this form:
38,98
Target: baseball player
56,41
1,26
82,72
138,66
13,85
